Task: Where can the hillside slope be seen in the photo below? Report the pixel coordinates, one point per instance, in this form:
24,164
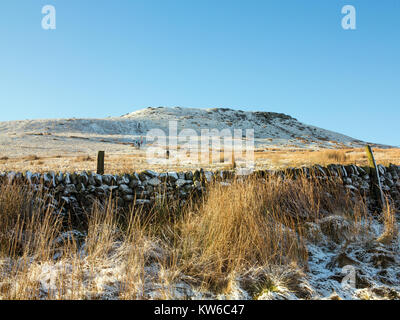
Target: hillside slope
115,134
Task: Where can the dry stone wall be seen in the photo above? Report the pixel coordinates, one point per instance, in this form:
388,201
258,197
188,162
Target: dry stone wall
75,192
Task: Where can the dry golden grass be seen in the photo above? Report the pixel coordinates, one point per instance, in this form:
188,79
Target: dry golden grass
269,159
32,158
235,230
30,238
337,156
297,158
253,229
86,158
391,230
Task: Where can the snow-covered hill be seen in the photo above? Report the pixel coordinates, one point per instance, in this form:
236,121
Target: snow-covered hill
114,134
266,125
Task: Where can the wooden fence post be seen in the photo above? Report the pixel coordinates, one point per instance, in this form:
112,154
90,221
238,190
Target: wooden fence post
375,182
100,162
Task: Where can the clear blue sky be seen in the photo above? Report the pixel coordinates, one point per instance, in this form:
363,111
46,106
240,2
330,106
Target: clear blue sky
108,58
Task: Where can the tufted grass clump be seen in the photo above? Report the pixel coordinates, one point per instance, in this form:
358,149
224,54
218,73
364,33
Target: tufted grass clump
391,230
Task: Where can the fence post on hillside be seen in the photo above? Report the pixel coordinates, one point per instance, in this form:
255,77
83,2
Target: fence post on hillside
100,162
375,182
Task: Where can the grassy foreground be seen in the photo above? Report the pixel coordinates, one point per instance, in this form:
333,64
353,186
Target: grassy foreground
252,235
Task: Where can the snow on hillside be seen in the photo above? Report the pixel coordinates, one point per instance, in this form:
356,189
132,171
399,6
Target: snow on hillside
266,125
115,134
